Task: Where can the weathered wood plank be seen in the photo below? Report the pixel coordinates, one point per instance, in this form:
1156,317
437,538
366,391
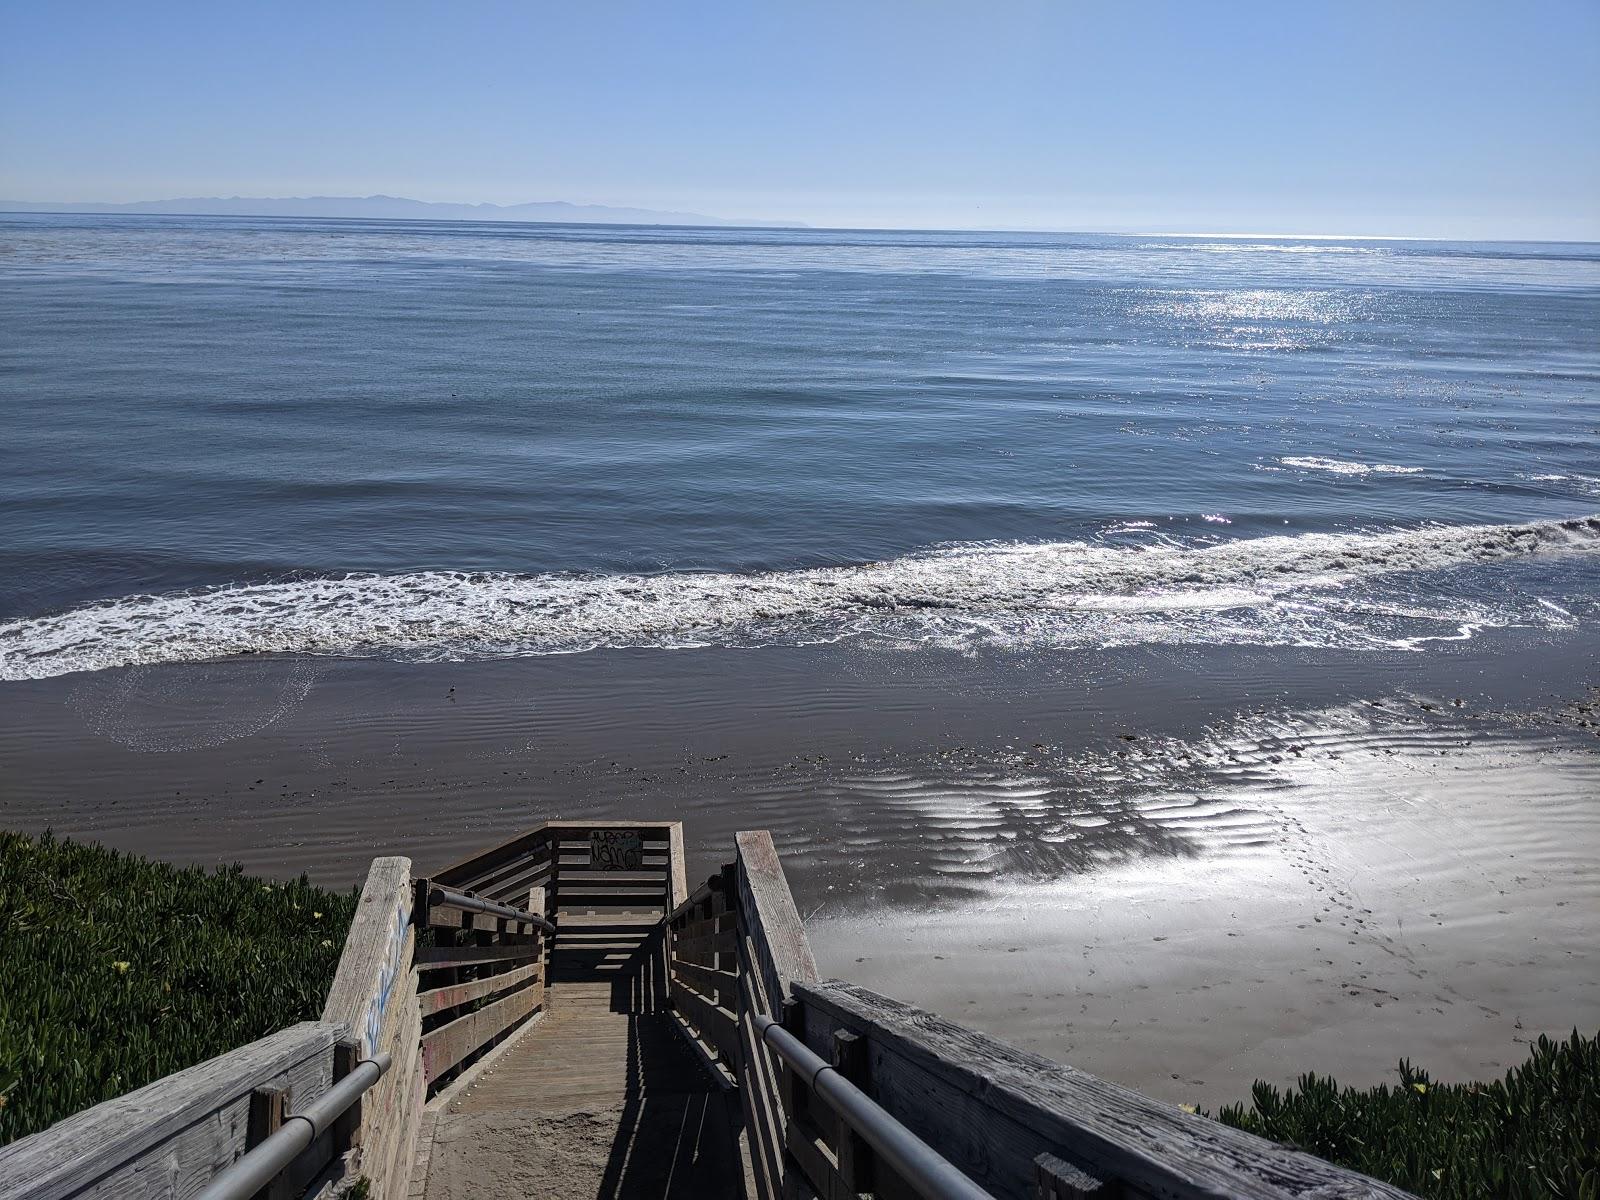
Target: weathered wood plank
654,859
613,921
716,1026
438,999
614,878
511,882
703,926
992,1109
809,1151
449,1044
768,915
676,865
758,1088
431,958
374,996
773,954
445,917
569,893
480,865
712,943
371,961
721,986
1057,1179
170,1137
391,1112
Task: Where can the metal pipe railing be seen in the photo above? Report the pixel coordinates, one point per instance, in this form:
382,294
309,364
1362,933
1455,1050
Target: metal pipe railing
919,1164
444,897
262,1165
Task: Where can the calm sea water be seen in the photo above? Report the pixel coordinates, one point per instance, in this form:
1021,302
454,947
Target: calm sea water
446,440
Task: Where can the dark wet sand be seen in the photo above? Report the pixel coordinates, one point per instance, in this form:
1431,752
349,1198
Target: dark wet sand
1180,869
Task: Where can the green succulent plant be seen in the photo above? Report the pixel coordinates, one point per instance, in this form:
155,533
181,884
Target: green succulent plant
118,970
1534,1135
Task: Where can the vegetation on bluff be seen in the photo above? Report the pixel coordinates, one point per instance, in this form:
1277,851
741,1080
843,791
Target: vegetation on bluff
1531,1136
117,970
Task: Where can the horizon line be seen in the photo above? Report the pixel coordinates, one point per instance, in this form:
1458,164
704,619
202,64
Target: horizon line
745,222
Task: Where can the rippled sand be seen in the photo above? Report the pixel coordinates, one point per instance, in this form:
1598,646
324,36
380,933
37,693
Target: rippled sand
1331,894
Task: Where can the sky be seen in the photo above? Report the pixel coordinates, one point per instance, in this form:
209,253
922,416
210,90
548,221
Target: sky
1461,119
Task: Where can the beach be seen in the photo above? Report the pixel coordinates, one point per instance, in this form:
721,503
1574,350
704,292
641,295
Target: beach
1181,871
1156,651
801,603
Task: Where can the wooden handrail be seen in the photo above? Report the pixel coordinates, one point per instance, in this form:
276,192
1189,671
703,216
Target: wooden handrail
175,1129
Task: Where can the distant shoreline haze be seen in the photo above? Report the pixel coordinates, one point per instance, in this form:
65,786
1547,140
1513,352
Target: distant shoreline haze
391,207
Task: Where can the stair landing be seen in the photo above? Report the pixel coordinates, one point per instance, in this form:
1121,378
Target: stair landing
603,1097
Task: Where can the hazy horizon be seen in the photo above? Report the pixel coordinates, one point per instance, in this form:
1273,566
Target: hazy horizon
705,220
1448,121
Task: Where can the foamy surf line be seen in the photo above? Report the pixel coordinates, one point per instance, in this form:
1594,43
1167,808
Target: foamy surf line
1268,590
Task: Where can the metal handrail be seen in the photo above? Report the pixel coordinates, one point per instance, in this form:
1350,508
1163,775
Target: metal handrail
919,1164
263,1164
445,898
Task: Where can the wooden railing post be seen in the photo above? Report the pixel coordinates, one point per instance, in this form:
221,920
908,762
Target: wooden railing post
269,1108
796,1092
374,997
346,1053
849,1058
772,955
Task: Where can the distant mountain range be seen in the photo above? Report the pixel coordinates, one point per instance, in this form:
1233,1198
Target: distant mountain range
386,207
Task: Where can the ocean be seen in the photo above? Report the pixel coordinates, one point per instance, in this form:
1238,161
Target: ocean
442,441
1175,655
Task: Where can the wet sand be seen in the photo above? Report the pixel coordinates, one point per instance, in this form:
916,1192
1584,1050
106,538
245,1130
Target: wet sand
1183,870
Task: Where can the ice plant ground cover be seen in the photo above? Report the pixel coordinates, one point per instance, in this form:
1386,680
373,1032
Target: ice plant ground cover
118,970
1533,1134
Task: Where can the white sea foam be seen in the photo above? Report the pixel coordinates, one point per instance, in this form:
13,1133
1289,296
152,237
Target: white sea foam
1268,590
1339,466
1579,483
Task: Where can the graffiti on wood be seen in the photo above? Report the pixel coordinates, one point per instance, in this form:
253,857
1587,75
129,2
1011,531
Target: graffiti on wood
616,849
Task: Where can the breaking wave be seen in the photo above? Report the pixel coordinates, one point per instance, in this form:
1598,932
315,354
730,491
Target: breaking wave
1299,590
1339,466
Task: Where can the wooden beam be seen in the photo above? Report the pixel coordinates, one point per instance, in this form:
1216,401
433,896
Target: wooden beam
444,917
1056,1179
711,943
268,1108
721,986
431,958
854,1155
477,866
716,1026
180,1130
758,1090
437,1000
374,996
372,956
991,1109
508,882
768,914
449,1044
676,867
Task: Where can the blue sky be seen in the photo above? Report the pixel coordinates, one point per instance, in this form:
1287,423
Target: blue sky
1456,120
